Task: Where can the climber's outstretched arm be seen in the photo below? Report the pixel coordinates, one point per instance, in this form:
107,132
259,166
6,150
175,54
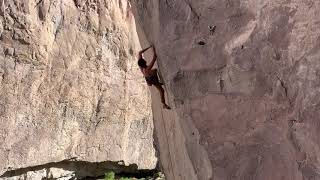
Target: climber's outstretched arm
142,51
153,59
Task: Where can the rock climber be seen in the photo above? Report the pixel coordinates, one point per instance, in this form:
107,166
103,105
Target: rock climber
150,74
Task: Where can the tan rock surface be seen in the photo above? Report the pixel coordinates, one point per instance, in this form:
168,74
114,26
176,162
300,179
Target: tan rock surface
249,96
69,85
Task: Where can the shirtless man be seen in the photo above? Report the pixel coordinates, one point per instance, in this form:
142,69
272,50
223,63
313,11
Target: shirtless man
150,74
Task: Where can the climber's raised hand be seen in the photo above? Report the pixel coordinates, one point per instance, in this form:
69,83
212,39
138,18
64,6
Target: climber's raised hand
142,51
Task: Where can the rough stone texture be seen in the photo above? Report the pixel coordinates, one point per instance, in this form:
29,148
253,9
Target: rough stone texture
250,96
69,85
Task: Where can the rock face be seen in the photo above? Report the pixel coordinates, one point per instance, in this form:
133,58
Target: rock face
246,94
69,85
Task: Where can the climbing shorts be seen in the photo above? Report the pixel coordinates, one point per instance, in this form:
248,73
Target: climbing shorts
152,80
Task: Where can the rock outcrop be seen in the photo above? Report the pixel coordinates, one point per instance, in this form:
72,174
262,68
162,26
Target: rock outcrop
69,85
243,78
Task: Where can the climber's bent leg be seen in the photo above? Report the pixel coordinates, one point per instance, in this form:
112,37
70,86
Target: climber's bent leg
161,91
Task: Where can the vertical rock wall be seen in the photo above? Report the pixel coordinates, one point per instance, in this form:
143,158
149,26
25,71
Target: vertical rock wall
69,85
247,91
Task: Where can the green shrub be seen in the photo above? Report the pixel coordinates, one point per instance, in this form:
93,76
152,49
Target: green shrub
110,175
125,178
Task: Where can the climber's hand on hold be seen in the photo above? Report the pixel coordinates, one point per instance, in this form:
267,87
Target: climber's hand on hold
153,59
142,51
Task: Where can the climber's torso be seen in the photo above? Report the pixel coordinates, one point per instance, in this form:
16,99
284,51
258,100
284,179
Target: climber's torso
150,76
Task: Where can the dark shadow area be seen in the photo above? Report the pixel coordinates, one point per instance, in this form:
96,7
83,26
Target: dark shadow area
86,170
